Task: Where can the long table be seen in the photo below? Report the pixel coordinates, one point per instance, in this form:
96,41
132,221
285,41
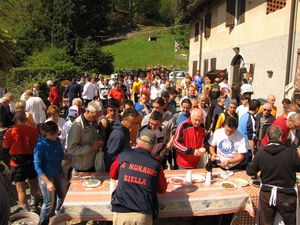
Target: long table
87,204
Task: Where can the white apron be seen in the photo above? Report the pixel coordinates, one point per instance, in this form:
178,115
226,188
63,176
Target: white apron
272,202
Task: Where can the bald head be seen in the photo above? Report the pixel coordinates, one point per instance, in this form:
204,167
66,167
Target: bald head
197,117
271,99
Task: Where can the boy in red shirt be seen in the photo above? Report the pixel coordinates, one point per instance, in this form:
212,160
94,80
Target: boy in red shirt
20,140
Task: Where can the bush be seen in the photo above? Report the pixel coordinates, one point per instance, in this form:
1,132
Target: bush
55,59
23,78
91,58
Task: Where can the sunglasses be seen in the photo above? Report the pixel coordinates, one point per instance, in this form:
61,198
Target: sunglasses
267,110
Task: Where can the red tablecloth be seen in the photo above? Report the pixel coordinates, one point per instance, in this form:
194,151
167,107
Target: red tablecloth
86,204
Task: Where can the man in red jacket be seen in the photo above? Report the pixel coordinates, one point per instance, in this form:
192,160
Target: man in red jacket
54,98
291,123
189,141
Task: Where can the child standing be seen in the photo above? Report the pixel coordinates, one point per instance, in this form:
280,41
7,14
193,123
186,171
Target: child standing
48,155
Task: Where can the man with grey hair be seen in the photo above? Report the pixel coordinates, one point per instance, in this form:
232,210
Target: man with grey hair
83,140
54,97
278,165
288,126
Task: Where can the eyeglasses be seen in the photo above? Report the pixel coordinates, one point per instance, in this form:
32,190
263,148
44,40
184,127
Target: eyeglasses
267,110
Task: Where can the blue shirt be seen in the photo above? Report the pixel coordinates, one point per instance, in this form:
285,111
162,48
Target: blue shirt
182,117
48,155
247,127
139,107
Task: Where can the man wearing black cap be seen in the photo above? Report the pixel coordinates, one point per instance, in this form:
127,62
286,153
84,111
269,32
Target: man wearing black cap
140,177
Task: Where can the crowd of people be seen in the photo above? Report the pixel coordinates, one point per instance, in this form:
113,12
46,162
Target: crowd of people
136,127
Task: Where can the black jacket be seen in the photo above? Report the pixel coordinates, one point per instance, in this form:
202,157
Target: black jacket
118,139
138,183
73,90
278,165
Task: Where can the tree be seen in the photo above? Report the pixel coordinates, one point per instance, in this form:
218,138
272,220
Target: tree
181,34
91,58
7,50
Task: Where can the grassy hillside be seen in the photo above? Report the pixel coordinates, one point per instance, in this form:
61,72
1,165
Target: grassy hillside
135,51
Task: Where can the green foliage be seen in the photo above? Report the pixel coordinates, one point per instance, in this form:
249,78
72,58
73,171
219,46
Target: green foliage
54,59
181,33
22,78
148,10
138,52
7,50
91,58
166,11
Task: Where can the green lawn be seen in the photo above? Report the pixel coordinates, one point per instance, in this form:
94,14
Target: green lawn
137,52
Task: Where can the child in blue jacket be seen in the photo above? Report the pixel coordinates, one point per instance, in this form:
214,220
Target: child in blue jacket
48,155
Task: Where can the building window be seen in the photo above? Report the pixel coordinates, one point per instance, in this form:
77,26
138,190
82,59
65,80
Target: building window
205,67
196,31
207,25
274,5
213,63
235,12
195,65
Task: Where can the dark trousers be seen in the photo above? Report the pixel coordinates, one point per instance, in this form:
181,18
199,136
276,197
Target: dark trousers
136,97
286,205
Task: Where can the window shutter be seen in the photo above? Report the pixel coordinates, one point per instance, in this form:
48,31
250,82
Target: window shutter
241,11
297,75
207,25
251,69
205,66
213,63
274,5
196,31
230,13
195,64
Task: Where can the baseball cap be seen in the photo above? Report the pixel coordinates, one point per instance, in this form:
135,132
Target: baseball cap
148,136
267,106
73,111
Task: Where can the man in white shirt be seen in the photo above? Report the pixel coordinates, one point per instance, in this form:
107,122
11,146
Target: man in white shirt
155,90
89,92
230,143
36,106
242,109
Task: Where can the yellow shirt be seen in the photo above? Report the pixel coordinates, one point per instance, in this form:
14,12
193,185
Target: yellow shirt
136,86
273,112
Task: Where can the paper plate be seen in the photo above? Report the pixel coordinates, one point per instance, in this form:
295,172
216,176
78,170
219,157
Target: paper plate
177,180
197,178
91,183
228,185
241,182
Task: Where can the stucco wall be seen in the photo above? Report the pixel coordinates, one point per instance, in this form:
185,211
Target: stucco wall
262,39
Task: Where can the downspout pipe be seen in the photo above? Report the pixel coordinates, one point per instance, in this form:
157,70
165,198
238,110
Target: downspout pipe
200,49
291,42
